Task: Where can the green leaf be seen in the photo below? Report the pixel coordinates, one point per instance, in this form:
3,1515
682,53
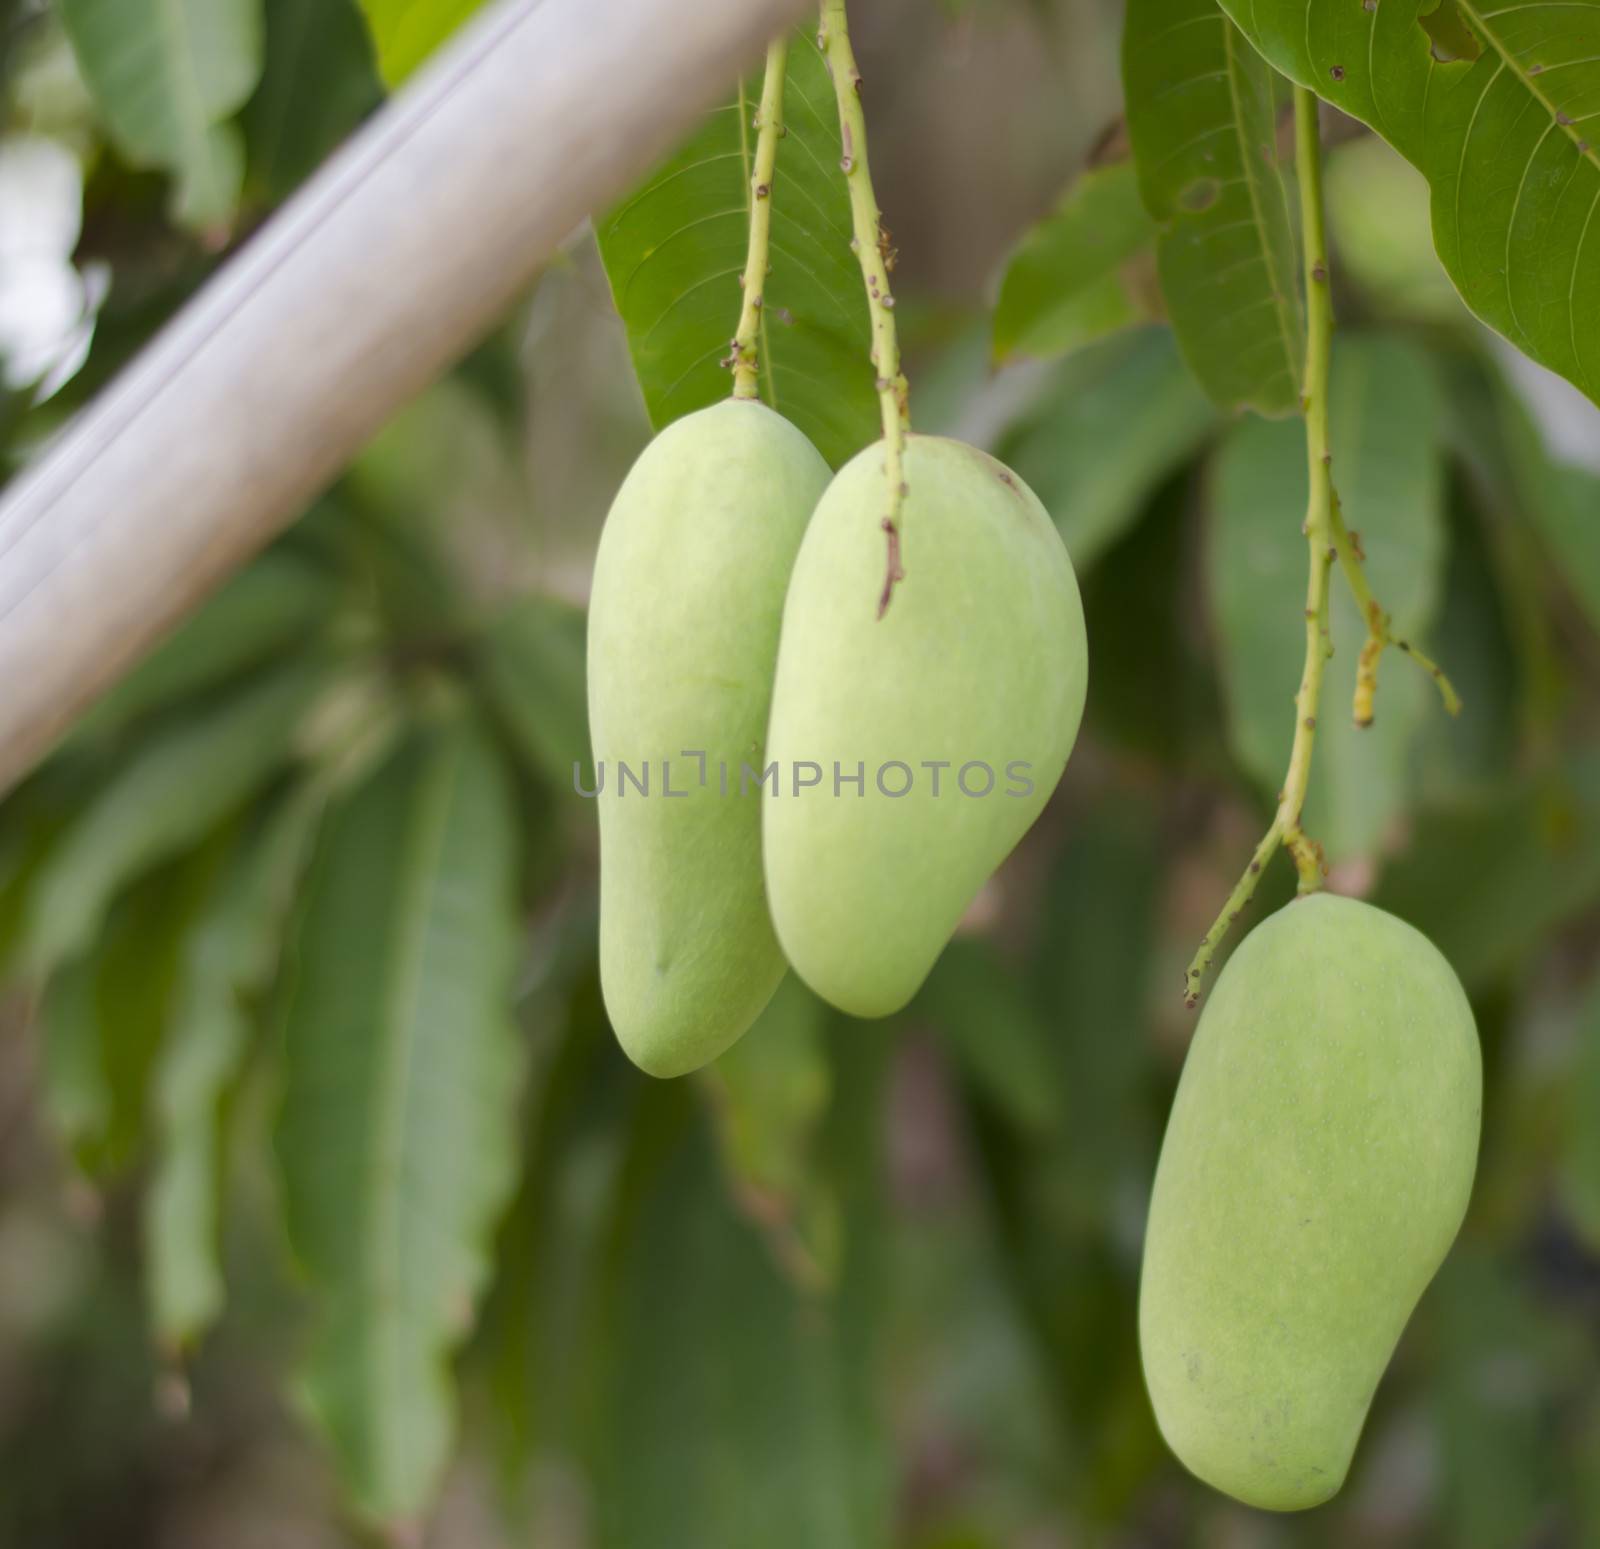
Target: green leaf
167,75
973,1001
534,666
732,1410
228,957
1202,115
768,1097
674,250
263,612
1119,419
317,84
104,1017
407,31
1580,1153
1077,275
397,1135
1504,134
1386,412
170,793
1485,883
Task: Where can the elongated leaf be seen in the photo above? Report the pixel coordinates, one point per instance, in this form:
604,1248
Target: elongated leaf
674,251
264,611
1119,420
104,1017
167,75
768,1096
1385,411
1580,1153
1497,107
534,671
407,31
226,958
973,1001
317,84
396,1138
1077,275
732,1411
1202,115
169,794
1485,883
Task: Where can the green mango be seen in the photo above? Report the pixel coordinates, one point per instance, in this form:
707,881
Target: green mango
683,632
1315,1171
978,664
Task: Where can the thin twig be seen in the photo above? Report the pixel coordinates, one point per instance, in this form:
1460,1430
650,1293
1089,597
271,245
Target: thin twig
747,341
871,245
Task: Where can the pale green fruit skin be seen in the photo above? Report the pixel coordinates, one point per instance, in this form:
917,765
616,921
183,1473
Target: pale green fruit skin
1316,1168
683,634
981,657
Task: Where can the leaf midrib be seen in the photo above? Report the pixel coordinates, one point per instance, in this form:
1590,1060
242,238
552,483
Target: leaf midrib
382,1269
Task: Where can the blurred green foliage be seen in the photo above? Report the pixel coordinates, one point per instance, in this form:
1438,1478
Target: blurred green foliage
326,1200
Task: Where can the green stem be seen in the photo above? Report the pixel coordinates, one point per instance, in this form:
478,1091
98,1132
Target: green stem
769,130
1286,828
871,245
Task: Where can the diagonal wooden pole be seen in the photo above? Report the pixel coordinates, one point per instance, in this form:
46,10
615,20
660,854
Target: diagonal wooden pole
392,262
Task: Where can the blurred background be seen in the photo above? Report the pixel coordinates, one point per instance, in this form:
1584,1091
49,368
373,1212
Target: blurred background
859,1284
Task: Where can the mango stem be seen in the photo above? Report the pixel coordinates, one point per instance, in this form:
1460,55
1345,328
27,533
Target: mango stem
1286,828
751,335
871,246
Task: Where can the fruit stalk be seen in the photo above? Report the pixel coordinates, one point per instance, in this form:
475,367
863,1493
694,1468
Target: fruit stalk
1322,544
871,246
747,341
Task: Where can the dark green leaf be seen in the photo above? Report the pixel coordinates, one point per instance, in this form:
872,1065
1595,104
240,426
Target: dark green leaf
169,794
229,956
1116,423
317,85
1202,115
167,75
1076,276
674,250
397,1139
1496,109
1386,426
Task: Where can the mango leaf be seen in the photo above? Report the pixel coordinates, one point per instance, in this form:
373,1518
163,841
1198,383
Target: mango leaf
317,84
1486,882
167,75
1580,1152
264,611
397,1135
170,793
534,668
407,31
1496,108
674,250
229,956
973,1001
768,1095
104,1017
1385,413
1119,419
1202,115
700,1331
1078,275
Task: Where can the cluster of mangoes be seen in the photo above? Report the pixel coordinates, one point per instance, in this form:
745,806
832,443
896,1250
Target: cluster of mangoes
1324,1136
813,743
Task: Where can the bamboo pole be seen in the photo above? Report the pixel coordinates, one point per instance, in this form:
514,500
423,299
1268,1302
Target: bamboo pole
386,268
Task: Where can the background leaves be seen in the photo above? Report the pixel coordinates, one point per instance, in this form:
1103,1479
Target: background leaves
1202,115
1497,109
